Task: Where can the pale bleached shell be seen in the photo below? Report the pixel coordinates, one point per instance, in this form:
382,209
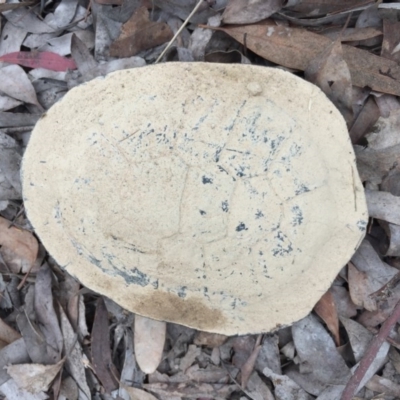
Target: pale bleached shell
222,197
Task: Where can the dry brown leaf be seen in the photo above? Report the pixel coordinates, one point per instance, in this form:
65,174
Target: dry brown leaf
359,337
158,377
345,307
34,378
74,355
30,22
182,9
15,83
101,349
391,183
318,355
68,297
326,310
8,334
180,338
297,47
269,355
249,11
371,319
11,390
7,103
37,347
82,56
18,247
360,98
329,71
257,388
18,119
369,17
210,374
105,33
69,389
139,33
393,233
372,361
82,324
375,274
10,162
14,353
384,206
387,104
303,375
149,341
138,394
130,373
243,347
288,350
360,288
394,358
373,165
200,39
106,68
364,121
385,132
285,388
190,357
44,308
215,357
339,18
391,40
248,367
381,384
322,7
352,34
14,6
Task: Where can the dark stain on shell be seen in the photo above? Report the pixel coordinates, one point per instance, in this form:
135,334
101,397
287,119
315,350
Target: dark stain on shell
167,306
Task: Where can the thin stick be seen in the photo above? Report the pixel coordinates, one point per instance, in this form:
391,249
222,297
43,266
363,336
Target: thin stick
373,348
179,30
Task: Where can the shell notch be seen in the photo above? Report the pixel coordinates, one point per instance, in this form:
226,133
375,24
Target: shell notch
221,197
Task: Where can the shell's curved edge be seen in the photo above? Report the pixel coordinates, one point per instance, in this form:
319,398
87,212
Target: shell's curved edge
255,204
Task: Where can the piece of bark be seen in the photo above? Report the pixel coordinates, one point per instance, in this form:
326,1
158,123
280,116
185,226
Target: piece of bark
296,48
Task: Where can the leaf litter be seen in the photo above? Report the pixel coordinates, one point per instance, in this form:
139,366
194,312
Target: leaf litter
62,340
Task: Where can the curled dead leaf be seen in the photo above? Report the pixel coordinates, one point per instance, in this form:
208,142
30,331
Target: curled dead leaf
19,248
34,378
331,73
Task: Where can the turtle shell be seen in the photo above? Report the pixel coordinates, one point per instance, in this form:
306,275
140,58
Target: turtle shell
222,197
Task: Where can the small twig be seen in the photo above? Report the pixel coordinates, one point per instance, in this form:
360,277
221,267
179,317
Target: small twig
376,343
179,30
89,6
